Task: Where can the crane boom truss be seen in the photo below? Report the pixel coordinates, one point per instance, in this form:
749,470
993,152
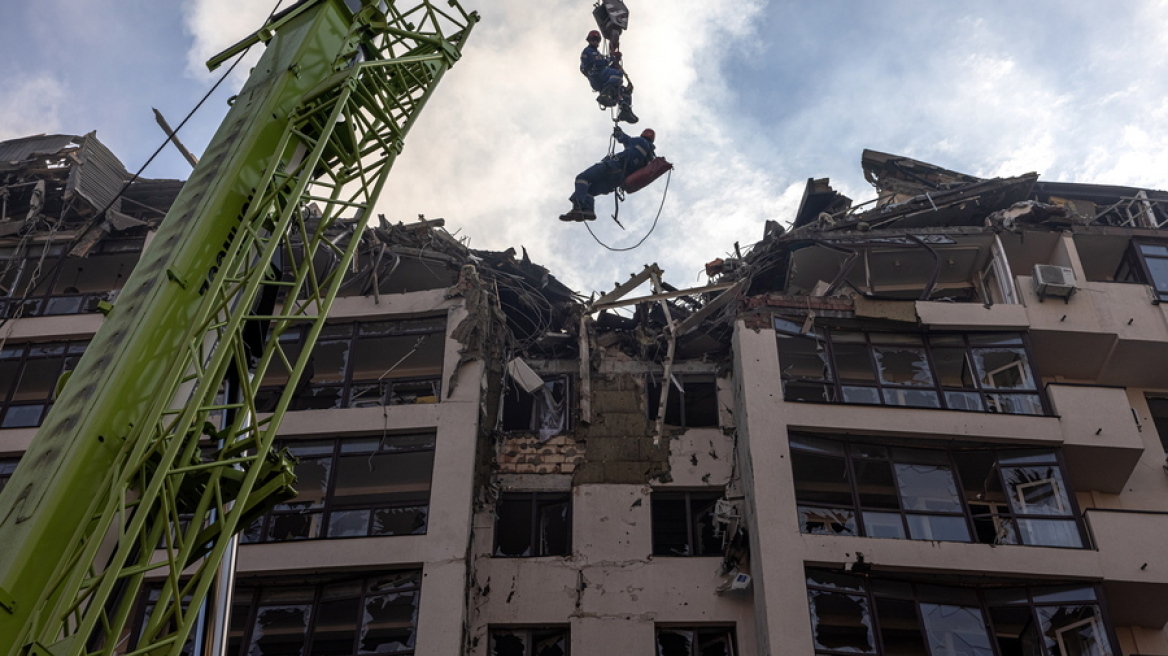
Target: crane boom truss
167,470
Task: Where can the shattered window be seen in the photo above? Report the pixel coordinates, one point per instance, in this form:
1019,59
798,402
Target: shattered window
886,616
28,379
45,280
968,494
547,411
7,467
354,487
325,615
692,401
979,372
364,364
685,524
530,524
537,641
696,641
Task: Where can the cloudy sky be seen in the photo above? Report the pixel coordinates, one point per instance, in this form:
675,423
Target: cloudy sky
749,98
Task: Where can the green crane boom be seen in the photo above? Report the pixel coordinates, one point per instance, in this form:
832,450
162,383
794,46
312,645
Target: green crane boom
146,466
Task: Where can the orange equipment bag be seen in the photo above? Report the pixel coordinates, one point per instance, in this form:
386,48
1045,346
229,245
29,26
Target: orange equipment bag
645,175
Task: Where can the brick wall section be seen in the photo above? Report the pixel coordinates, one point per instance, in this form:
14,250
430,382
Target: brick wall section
525,454
620,441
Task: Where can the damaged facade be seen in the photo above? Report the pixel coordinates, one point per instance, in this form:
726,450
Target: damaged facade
929,424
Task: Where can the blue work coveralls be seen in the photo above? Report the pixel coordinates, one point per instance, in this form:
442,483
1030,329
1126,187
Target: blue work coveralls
599,70
608,175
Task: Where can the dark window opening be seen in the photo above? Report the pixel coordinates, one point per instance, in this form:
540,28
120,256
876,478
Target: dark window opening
977,372
886,617
7,467
696,641
142,614
325,615
354,487
28,379
538,641
530,524
692,402
684,524
1158,407
45,280
1146,263
364,364
974,494
547,411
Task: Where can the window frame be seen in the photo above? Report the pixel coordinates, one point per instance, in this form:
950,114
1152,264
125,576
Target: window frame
7,468
538,499
53,267
1001,512
836,388
71,353
680,398
865,587
710,632
257,586
1134,267
345,393
265,523
530,635
693,539
513,394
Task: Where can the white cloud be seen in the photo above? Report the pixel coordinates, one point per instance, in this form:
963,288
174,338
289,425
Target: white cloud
31,105
217,25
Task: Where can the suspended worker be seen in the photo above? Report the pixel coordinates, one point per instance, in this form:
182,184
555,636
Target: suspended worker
607,78
609,174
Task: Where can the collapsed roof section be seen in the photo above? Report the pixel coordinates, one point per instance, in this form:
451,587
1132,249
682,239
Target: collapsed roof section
932,234
73,188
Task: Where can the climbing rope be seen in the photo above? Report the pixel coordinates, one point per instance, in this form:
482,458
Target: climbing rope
664,194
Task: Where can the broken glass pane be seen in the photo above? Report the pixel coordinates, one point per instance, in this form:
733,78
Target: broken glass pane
508,643
409,520
1050,532
899,365
552,642
802,357
294,526
1036,490
387,626
1015,630
312,479
554,528
348,523
953,367
674,642
827,521
841,622
1074,631
280,630
964,401
956,630
927,487
1014,404
1003,368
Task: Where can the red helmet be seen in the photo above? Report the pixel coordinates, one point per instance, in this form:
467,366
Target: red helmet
593,36
649,134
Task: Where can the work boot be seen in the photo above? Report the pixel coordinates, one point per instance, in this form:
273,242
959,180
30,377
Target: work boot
578,215
608,96
626,114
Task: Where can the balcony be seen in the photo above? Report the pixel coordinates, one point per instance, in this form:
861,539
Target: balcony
1131,562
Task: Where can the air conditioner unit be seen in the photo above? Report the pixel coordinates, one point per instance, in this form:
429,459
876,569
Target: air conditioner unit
1051,280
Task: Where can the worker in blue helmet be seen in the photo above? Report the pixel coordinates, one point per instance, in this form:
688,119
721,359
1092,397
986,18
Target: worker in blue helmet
607,79
609,174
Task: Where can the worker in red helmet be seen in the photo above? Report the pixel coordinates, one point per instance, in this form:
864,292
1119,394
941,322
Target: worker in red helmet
607,78
609,174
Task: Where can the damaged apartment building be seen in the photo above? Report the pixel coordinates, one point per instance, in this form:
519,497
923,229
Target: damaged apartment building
934,424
